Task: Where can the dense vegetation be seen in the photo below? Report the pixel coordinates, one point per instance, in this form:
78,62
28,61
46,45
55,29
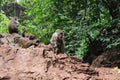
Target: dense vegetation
82,21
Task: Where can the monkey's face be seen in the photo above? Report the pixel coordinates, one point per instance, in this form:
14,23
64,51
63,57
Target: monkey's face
60,36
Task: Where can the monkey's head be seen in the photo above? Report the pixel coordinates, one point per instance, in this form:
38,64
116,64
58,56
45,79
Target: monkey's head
14,21
60,34
23,30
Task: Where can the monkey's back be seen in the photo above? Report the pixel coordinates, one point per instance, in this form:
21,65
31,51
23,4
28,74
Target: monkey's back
12,28
53,39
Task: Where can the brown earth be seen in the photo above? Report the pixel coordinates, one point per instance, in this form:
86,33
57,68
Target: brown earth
110,58
23,58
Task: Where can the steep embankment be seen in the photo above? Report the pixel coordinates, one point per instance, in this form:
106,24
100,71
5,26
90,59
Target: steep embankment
24,58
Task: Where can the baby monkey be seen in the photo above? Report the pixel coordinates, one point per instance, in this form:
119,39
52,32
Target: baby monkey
13,25
23,32
57,41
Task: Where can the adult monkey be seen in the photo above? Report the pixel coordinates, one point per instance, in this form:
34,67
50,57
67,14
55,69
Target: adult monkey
57,41
13,25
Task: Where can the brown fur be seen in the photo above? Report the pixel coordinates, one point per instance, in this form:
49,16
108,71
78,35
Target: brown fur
23,32
57,41
13,26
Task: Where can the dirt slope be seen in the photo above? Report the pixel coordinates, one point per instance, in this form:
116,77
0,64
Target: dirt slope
23,58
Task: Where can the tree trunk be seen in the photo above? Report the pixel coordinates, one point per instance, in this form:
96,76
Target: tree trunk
114,6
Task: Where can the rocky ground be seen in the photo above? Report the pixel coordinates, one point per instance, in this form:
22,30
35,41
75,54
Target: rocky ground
24,58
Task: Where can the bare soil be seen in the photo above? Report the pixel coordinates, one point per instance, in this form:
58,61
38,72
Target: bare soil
24,59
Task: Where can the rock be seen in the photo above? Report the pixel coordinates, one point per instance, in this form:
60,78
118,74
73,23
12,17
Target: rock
19,41
110,58
30,60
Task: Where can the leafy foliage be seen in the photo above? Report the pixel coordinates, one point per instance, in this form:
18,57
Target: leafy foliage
86,17
40,23
77,18
3,23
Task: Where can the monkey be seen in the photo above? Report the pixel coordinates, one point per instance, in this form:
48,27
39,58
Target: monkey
13,25
29,36
57,41
23,32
